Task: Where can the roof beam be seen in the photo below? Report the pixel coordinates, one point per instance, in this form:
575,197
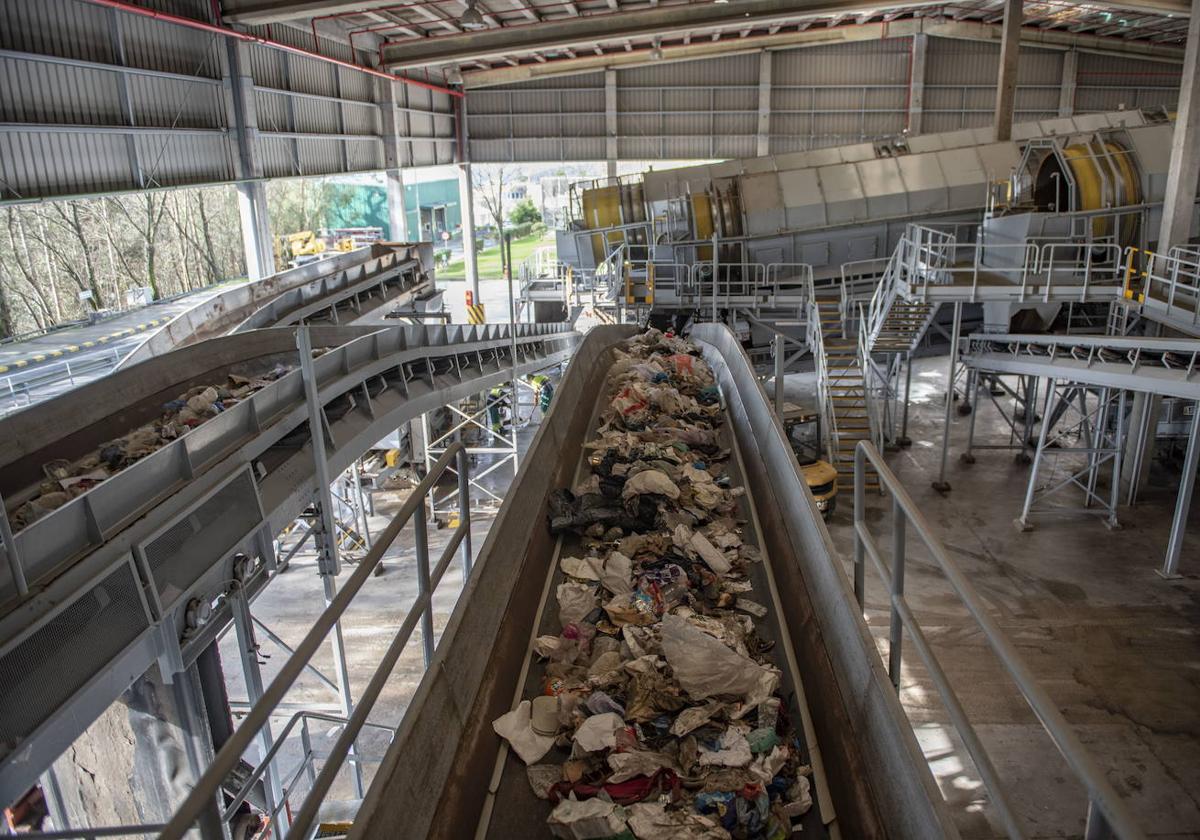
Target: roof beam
960,30
661,21
272,11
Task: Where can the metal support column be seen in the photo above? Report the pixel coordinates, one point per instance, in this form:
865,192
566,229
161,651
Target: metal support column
243,626
1183,499
128,114
421,543
941,485
904,439
252,193
916,84
968,457
392,157
466,195
896,627
779,364
15,567
356,477
464,507
763,144
610,122
1070,73
1179,201
1006,84
716,271
328,563
1141,440
1023,522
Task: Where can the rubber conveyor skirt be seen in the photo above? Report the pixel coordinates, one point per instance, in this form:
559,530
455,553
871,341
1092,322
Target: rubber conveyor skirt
871,778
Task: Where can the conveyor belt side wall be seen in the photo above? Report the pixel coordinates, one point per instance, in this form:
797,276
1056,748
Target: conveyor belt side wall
878,776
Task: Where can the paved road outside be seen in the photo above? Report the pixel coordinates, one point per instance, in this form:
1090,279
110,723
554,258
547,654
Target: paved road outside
43,367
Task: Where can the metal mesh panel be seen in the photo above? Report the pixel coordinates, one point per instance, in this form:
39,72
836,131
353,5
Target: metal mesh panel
42,672
185,551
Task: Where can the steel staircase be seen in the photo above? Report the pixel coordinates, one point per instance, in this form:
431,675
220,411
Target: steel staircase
904,324
841,386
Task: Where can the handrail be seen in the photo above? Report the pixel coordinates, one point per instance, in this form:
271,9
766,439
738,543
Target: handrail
1171,279
867,364
228,757
27,382
265,762
816,346
1105,808
95,833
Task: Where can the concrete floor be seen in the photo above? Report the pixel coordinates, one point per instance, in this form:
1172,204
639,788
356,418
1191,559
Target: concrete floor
1116,646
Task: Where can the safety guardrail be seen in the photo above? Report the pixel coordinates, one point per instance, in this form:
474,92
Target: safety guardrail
1168,283
816,346
18,390
303,823
1107,815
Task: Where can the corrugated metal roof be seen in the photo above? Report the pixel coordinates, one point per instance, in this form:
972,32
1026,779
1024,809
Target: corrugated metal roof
88,148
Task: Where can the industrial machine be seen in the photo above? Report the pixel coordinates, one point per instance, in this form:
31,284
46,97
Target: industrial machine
657,240
301,247
307,246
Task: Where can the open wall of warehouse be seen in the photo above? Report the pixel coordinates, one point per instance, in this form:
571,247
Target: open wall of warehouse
94,100
819,96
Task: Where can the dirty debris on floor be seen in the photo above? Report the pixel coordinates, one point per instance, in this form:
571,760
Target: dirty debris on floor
659,713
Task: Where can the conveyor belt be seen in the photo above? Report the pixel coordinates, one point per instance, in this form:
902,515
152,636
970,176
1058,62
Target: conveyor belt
352,292
436,778
516,812
111,572
364,279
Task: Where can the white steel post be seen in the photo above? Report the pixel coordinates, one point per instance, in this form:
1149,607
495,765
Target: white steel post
941,485
1183,499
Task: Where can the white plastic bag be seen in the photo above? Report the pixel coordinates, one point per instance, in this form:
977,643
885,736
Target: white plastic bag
705,667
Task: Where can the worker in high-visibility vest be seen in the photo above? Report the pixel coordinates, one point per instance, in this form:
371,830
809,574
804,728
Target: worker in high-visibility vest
495,409
543,391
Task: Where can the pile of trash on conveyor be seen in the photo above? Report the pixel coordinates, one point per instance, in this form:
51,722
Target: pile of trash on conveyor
657,684
66,479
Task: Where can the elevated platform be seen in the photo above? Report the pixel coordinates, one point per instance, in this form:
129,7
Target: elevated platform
1153,365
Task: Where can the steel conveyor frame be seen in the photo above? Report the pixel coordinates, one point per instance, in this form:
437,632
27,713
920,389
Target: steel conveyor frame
111,572
438,772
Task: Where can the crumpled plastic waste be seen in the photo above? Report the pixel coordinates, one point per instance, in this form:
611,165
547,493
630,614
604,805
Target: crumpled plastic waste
590,819
65,480
516,728
706,667
652,821
598,732
731,749
671,722
650,481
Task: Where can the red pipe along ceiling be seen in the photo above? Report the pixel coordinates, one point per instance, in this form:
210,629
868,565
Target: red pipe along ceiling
203,26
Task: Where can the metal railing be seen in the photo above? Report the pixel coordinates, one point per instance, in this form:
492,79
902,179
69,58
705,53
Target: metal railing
305,767
740,279
23,389
1170,282
1107,814
303,822
816,346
